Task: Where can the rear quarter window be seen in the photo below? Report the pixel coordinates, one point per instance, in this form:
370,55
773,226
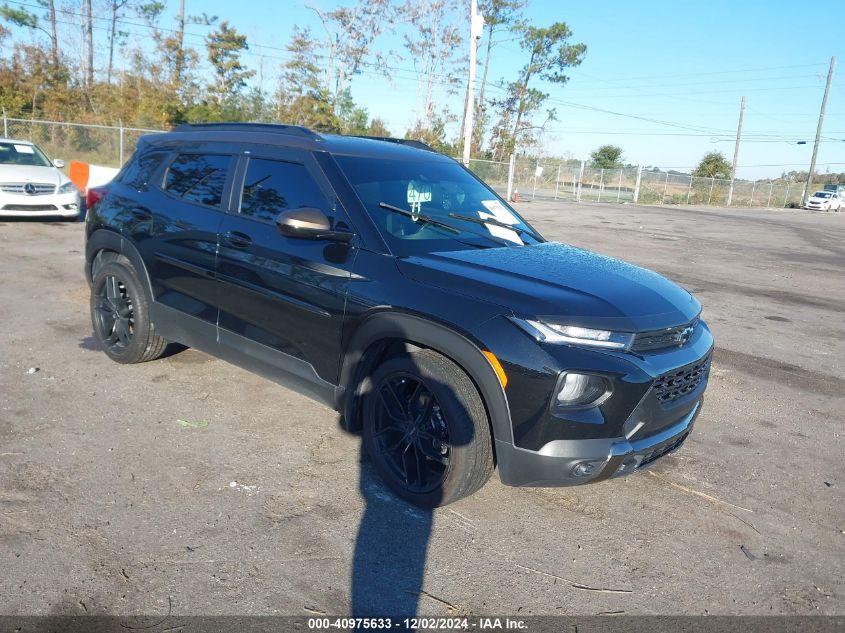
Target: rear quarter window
198,178
140,169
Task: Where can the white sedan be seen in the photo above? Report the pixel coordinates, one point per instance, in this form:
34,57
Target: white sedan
31,185
824,201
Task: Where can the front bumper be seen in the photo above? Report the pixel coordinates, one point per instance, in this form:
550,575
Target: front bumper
656,398
576,462
64,205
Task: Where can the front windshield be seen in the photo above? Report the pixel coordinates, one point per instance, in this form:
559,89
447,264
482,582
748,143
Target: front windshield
21,154
822,194
435,192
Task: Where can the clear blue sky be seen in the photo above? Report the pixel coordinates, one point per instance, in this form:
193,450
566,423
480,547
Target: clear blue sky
683,64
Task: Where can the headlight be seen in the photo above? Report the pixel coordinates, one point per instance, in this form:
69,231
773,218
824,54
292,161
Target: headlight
575,335
68,187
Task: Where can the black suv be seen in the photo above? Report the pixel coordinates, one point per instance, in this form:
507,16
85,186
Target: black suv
387,281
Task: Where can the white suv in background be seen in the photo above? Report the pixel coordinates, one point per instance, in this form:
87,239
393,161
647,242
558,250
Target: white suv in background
31,185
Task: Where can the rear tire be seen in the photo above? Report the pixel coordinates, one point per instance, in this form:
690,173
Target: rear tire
426,429
120,315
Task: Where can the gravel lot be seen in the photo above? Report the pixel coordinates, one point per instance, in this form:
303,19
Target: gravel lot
191,485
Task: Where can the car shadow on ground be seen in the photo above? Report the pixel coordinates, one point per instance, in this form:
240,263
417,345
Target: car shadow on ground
391,547
388,565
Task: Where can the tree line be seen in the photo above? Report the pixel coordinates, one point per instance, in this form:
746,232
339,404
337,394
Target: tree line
87,63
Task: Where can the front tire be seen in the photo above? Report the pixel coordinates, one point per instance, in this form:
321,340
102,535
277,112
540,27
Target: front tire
120,315
426,429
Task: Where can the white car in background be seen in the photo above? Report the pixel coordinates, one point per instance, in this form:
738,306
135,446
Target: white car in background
31,185
824,201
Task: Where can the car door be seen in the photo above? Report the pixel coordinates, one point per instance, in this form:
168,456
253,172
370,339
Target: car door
185,213
282,298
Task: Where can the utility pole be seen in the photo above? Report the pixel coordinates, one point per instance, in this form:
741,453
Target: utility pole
476,29
179,66
818,132
736,149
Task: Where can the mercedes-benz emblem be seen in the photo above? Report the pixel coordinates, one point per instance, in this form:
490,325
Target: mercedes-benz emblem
29,188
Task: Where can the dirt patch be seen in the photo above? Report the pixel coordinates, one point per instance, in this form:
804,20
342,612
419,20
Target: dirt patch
784,374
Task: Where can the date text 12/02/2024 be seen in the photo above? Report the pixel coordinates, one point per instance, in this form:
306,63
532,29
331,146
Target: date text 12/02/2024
463,624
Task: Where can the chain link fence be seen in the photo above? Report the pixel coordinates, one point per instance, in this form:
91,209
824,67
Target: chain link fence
96,144
574,180
532,179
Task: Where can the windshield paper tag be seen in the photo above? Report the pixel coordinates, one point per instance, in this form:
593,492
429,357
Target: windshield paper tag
418,192
499,231
24,149
500,213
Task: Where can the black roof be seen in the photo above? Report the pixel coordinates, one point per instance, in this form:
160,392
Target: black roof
269,128
300,137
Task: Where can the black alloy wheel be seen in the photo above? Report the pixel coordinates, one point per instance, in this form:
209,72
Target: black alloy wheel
426,429
411,434
114,315
120,315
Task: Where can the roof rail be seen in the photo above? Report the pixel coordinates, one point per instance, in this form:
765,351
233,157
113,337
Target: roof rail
410,142
275,128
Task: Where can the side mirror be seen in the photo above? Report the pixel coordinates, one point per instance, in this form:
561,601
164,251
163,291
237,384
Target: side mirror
59,163
311,224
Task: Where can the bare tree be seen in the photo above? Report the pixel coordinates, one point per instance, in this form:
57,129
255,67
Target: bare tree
434,41
498,15
23,18
115,8
349,36
54,38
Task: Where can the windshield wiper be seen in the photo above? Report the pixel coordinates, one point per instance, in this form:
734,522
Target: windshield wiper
425,219
419,217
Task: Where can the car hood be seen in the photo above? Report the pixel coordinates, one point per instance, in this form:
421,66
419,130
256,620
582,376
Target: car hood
815,199
28,173
559,281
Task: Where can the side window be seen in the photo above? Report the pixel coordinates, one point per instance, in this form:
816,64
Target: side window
138,171
273,186
198,178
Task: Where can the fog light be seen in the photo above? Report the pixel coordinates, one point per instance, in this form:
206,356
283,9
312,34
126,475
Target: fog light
581,390
71,207
587,469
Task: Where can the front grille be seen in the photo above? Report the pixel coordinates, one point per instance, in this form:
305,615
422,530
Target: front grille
677,384
662,450
661,339
30,207
37,188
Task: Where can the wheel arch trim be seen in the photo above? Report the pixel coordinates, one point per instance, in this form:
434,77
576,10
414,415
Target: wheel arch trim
415,330
104,239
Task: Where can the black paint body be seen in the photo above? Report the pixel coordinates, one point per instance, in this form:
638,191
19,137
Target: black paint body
318,315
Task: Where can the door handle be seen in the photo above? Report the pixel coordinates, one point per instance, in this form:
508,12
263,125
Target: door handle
140,213
237,239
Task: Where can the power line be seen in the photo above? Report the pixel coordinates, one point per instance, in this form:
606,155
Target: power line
704,92
448,81
744,80
721,72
